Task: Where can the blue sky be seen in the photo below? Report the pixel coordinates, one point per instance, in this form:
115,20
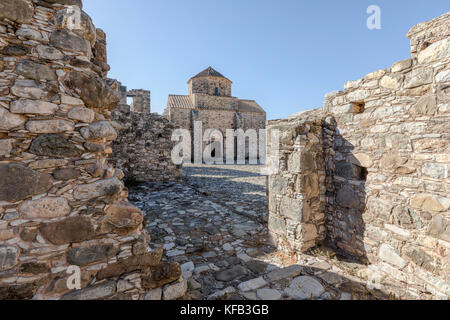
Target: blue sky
285,54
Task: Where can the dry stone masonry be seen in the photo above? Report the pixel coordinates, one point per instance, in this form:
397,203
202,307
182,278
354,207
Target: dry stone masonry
61,203
369,172
144,146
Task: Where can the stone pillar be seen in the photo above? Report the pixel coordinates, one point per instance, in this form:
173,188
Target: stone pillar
297,193
61,203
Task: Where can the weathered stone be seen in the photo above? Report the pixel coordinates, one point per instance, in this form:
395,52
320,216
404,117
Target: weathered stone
256,266
222,294
304,288
284,273
418,77
131,264
28,33
392,81
361,159
102,188
165,273
153,295
99,130
66,174
268,294
47,164
443,76
292,208
82,256
252,284
34,268
406,218
310,185
9,120
18,292
36,71
420,257
44,208
15,50
347,197
278,184
398,142
69,230
67,40
20,11
402,65
435,170
82,114
20,182
49,126
8,257
28,89
435,51
33,107
54,145
388,254
175,291
439,228
231,274
29,235
425,106
84,26
67,2
49,53
6,146
122,218
95,92
95,292
277,225
348,170
430,202
358,95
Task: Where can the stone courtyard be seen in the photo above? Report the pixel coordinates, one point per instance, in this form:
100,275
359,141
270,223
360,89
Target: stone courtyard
211,223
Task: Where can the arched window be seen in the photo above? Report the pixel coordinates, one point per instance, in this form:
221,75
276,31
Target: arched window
216,91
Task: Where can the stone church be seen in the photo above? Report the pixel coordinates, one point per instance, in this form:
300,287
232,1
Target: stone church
209,100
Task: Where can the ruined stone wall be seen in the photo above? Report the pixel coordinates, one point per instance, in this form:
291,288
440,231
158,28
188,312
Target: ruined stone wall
141,100
387,168
297,191
61,203
143,149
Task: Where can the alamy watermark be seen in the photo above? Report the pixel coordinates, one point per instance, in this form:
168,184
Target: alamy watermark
211,146
374,20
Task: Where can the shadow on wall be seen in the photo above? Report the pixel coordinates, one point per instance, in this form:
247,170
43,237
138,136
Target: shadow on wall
345,221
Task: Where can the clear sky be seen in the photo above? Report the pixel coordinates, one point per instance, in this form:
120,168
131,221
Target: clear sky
285,54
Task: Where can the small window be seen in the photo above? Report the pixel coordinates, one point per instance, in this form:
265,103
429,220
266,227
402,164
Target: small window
216,91
359,107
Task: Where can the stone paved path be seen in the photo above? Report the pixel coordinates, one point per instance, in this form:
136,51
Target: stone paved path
212,224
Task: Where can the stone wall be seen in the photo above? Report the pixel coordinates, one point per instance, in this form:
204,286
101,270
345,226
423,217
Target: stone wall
143,149
61,203
297,191
208,85
386,149
141,100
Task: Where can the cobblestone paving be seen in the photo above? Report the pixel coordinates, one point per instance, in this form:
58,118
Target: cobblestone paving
212,225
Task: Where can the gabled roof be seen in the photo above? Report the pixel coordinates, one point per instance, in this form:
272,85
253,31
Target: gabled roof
177,101
209,72
249,106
